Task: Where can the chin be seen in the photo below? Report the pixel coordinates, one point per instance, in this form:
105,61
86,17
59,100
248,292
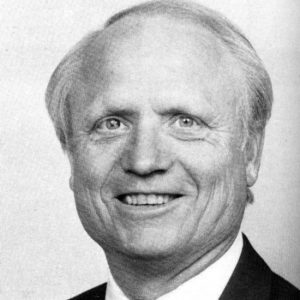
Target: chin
150,243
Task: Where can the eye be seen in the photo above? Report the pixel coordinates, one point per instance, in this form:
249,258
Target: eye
186,122
186,127
109,124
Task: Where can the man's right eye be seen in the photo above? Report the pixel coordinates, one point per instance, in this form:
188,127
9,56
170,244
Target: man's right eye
110,124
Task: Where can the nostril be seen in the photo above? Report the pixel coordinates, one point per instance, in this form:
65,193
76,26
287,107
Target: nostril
143,173
144,167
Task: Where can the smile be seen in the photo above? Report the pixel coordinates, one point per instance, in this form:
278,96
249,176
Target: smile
147,199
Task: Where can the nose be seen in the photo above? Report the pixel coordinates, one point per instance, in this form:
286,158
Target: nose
145,153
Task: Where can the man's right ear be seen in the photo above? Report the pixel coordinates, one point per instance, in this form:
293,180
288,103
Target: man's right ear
71,179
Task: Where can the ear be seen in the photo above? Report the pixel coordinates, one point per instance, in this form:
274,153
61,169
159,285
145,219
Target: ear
253,151
71,179
71,182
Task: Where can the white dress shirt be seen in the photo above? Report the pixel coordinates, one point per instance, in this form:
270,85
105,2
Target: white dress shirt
208,285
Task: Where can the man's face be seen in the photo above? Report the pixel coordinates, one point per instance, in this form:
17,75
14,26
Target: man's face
157,165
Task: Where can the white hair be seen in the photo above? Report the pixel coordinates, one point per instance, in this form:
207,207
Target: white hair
258,96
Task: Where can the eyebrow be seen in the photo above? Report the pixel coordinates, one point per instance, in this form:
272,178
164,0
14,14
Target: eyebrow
118,111
93,113
206,112
182,110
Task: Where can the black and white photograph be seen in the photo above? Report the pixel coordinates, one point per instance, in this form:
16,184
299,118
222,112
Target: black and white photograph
150,150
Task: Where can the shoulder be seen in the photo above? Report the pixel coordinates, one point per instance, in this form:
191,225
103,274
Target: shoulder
96,293
279,288
282,289
253,279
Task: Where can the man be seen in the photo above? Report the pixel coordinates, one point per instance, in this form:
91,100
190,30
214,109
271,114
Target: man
162,115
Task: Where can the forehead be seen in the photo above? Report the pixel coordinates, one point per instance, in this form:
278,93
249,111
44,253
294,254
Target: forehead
143,53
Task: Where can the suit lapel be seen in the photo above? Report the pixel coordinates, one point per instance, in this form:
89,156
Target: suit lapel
251,278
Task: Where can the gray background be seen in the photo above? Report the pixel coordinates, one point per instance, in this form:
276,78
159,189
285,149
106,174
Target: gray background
45,253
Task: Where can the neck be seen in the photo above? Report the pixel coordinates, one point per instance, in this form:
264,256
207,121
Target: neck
147,279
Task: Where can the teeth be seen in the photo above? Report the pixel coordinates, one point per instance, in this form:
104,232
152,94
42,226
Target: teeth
134,200
152,199
160,199
147,199
165,199
142,199
128,200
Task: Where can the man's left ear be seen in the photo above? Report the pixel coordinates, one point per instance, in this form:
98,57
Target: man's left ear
71,182
253,152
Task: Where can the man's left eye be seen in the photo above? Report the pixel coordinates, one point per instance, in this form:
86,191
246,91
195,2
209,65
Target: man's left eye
185,122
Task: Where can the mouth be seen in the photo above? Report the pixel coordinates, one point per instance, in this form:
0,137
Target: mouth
147,199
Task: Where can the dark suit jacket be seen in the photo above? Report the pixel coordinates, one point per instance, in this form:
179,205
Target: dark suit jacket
252,279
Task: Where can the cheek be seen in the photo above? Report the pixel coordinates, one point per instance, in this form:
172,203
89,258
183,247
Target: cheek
214,169
204,162
90,172
225,190
221,184
92,165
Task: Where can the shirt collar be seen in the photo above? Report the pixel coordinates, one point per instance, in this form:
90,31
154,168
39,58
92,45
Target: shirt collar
208,285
